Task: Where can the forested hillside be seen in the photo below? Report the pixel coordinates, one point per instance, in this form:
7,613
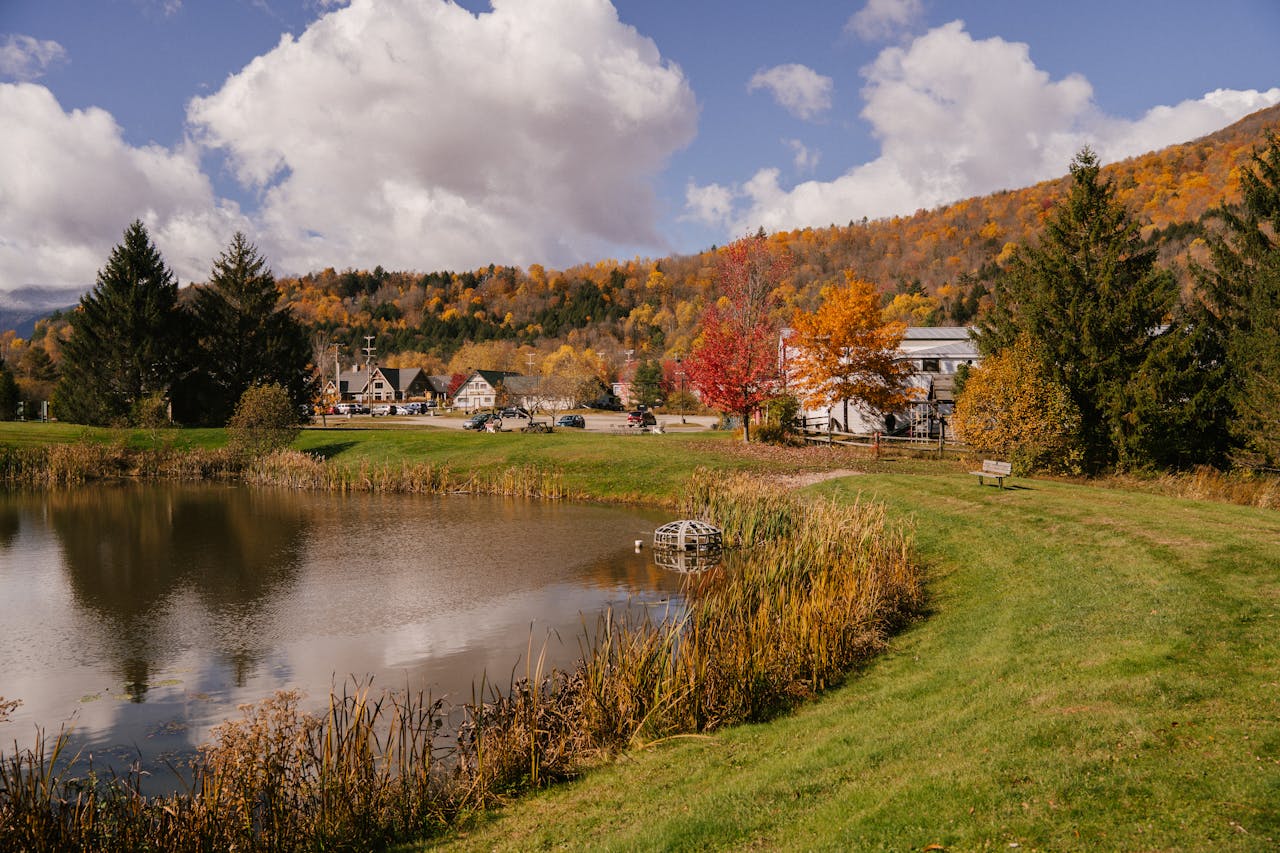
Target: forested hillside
934,267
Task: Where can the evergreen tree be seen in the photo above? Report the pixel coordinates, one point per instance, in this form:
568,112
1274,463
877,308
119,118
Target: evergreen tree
1239,308
123,340
243,338
1092,302
646,387
8,393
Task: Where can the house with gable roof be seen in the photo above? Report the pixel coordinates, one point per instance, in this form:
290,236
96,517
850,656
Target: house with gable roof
483,390
388,384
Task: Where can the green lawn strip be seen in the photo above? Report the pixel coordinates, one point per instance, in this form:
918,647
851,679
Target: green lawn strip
608,467
35,434
1099,670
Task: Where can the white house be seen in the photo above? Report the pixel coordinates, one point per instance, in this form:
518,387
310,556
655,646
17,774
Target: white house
482,389
485,389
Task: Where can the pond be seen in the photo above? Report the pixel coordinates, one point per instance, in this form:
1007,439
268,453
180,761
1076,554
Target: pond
143,614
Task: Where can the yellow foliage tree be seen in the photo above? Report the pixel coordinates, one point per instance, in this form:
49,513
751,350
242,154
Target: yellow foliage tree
1011,407
913,309
847,352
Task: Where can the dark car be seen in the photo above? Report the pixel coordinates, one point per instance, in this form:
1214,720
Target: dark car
575,421
640,418
479,421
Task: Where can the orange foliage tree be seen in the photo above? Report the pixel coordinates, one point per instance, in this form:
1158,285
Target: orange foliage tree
847,351
1012,406
734,366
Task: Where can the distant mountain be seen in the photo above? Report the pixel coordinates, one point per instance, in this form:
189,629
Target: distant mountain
21,308
21,322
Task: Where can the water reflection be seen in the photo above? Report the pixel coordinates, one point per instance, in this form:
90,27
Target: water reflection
149,612
10,522
128,550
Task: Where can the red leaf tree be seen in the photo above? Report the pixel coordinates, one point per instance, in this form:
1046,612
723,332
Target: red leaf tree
735,364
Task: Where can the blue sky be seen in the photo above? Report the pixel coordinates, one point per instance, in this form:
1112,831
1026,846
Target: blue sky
424,135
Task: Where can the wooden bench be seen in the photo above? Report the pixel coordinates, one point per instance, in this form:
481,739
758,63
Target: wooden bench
996,470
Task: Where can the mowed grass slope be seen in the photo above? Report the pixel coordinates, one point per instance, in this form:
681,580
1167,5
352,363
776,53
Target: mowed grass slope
1100,670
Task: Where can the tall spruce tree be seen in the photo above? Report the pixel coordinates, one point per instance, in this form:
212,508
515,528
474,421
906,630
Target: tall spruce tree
243,338
1092,301
124,334
1239,308
646,387
8,393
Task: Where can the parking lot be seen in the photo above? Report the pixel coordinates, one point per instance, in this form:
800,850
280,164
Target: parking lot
595,421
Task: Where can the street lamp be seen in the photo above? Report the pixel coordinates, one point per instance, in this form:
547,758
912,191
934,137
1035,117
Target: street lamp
680,373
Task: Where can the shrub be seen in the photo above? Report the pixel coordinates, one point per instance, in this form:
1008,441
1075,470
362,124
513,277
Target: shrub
1011,406
265,420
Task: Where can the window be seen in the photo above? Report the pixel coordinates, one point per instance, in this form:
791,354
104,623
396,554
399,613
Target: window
929,365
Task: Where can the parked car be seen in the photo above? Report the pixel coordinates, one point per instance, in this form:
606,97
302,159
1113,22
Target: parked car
383,409
641,418
479,421
512,412
575,421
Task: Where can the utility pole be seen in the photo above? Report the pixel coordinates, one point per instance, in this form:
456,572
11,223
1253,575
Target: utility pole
369,350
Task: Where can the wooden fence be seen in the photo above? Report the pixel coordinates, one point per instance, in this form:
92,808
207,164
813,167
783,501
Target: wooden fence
821,431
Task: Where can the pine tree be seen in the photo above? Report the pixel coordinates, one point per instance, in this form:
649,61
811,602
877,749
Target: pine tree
1092,301
646,387
243,338
123,340
1239,308
8,393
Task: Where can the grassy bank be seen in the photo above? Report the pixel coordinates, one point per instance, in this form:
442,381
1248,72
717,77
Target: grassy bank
1100,669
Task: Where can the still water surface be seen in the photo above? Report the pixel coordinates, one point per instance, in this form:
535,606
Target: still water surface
145,613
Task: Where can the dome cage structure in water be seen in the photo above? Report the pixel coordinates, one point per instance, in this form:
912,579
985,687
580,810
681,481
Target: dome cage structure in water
687,546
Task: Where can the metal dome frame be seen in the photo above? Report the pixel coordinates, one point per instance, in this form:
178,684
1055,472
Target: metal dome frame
689,536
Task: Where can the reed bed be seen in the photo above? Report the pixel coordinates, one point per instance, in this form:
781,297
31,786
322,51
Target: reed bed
813,590
59,465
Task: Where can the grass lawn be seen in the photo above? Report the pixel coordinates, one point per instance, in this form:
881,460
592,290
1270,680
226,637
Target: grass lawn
1100,671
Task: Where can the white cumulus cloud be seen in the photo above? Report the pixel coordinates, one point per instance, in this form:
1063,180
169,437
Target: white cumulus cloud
70,184
414,134
958,117
799,89
27,58
884,19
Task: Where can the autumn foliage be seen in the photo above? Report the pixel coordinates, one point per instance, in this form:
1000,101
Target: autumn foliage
1012,408
846,351
735,365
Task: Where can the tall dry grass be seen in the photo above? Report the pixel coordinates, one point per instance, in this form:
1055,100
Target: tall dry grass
813,589
1243,487
57,465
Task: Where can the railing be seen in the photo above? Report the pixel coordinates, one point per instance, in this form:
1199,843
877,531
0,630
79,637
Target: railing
821,431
